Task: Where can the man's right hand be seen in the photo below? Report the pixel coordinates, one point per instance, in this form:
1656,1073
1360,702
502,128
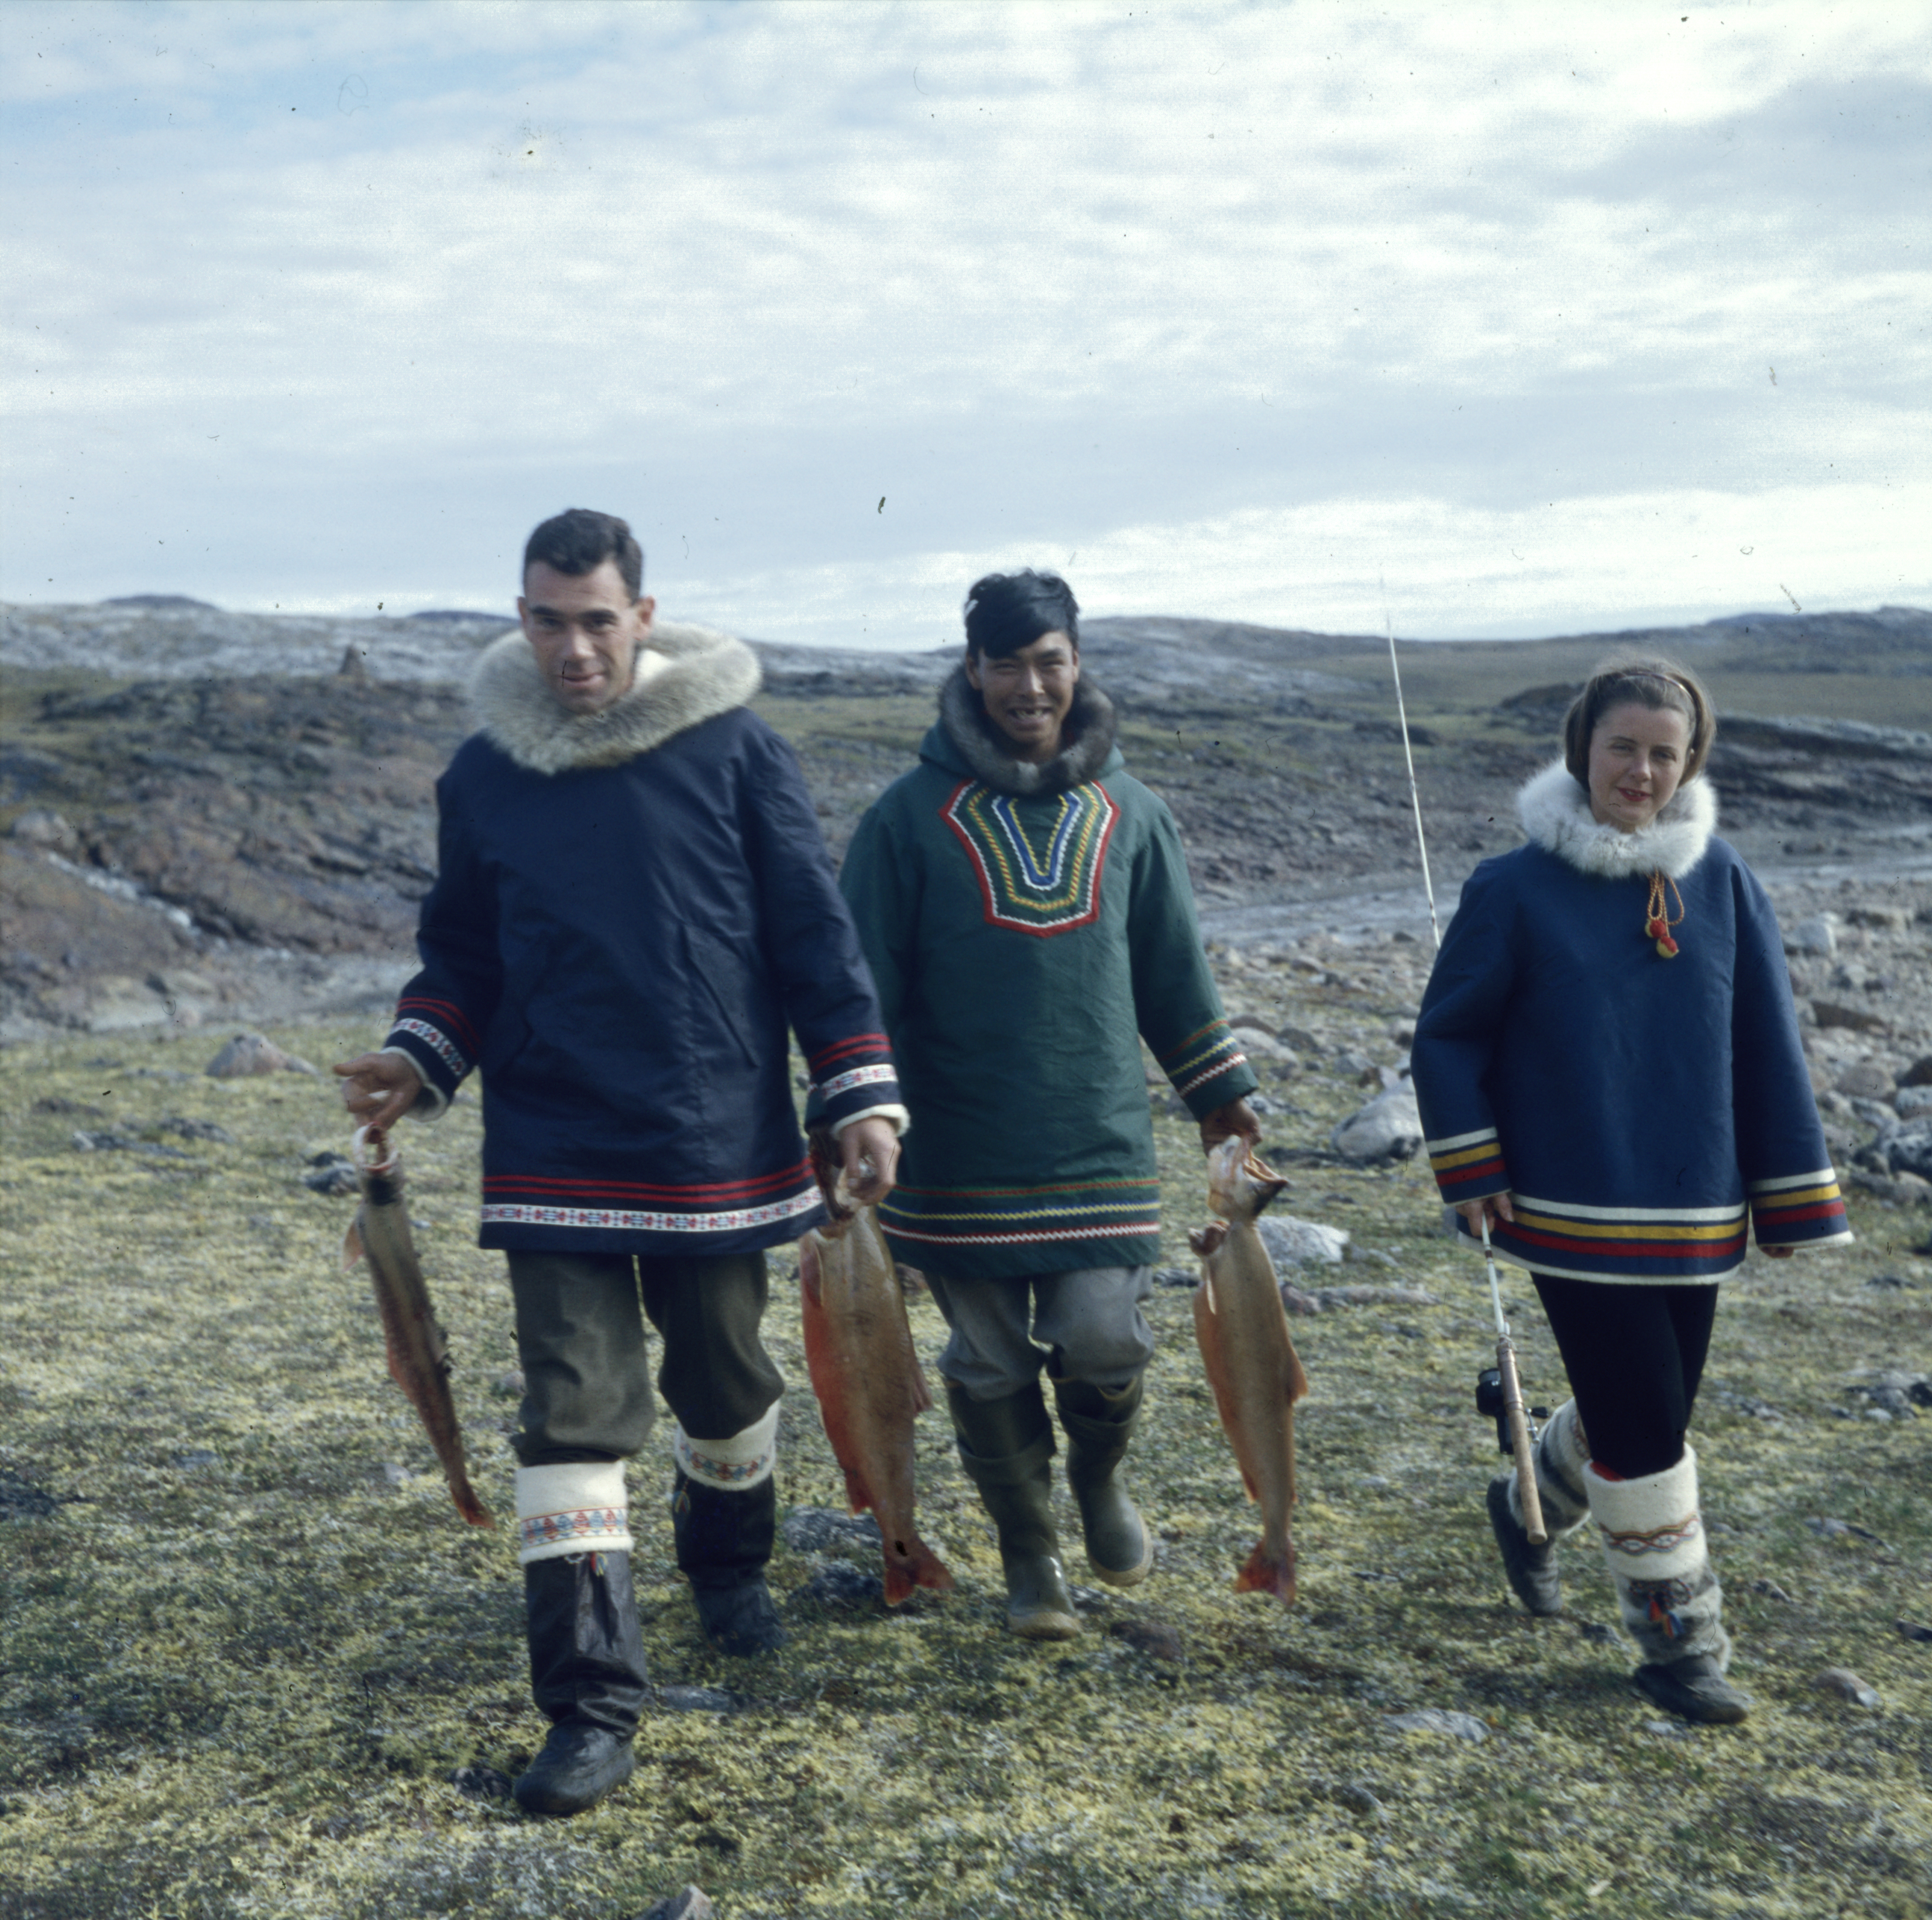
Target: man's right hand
379,1088
1495,1206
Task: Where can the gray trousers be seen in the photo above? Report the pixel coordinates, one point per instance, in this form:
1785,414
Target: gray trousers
581,1338
1083,1325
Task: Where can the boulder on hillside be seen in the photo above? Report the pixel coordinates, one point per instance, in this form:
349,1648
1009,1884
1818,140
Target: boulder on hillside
250,1054
1389,1128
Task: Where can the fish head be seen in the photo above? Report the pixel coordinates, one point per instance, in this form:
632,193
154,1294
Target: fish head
829,1169
1239,1184
371,1151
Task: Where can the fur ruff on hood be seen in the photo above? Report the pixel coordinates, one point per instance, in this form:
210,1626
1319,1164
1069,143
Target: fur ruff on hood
1554,810
1088,738
684,674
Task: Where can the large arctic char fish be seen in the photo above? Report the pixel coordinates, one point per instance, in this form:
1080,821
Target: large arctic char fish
865,1372
1252,1363
418,1354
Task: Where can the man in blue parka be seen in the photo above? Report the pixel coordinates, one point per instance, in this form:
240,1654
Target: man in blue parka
633,906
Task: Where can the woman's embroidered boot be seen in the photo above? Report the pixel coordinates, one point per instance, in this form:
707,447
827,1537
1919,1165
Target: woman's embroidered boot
724,1514
1671,1604
587,1657
1561,1456
1007,1447
1099,1427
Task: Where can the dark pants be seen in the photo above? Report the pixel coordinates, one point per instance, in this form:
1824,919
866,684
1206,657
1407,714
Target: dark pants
1634,1355
580,1339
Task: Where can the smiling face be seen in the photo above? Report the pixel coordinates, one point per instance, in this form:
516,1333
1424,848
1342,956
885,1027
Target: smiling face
1636,762
1029,693
585,630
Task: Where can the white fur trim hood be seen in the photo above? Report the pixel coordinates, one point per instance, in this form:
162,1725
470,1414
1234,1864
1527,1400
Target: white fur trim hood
684,674
1555,810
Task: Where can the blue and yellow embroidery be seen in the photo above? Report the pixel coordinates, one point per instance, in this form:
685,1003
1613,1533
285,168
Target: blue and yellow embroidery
1039,862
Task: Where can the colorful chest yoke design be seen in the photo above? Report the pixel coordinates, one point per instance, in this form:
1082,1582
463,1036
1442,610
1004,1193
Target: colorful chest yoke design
1038,862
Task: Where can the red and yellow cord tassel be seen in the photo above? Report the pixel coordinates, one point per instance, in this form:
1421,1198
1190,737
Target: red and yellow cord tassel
1656,922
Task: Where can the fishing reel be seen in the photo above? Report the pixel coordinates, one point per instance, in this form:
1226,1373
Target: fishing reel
1489,1402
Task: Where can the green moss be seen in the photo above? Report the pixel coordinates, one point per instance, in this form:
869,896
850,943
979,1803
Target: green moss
241,1664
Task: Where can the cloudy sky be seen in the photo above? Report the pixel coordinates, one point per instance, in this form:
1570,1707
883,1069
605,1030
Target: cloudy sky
1552,319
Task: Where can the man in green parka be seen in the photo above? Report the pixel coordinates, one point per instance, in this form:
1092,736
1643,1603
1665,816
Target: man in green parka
1024,905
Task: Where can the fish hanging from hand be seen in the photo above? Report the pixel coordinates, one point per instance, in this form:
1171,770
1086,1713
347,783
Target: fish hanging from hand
418,1353
865,1372
1252,1364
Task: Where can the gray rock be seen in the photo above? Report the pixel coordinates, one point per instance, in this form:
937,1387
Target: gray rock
1297,1242
481,1782
839,1583
691,1903
696,1699
39,826
1913,1102
1818,934
334,1177
816,1529
1847,1685
250,1054
196,1459
1435,1719
1389,1128
185,1129
1176,1276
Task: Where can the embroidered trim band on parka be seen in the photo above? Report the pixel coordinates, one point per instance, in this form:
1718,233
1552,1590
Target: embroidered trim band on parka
630,913
1027,928
1643,1111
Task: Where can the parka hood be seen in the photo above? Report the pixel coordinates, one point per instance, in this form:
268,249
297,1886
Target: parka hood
965,741
1554,810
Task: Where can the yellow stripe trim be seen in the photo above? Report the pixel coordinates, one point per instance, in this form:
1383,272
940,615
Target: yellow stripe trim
1804,1197
1489,1150
1595,1230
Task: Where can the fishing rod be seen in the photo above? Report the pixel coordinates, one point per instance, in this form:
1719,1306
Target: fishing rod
1499,1391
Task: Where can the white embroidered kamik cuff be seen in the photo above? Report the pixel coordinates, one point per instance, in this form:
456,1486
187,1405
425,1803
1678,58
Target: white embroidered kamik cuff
734,1464
1651,1527
580,1508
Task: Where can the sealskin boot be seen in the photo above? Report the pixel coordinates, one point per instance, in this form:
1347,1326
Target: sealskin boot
724,1542
1100,1426
587,1674
1530,1570
1694,1688
1007,1447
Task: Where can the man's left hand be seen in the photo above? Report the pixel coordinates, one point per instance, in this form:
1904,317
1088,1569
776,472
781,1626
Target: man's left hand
1224,1123
869,1150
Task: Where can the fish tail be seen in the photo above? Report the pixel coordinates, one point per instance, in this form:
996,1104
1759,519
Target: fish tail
910,1564
1268,1572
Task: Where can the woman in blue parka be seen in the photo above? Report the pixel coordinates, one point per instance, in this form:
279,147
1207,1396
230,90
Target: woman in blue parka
1609,1068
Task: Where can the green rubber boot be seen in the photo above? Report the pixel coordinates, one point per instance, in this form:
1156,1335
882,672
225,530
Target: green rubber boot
1007,1447
1100,1426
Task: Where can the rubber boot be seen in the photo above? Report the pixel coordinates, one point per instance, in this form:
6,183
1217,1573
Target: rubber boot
587,1674
1007,1447
1561,1453
724,1542
1100,1426
1667,1590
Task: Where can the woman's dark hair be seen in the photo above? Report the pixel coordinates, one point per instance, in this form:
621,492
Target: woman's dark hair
580,540
1006,611
1659,685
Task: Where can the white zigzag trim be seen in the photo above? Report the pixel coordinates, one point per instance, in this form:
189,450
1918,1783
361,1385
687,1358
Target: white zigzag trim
860,1076
1213,1072
625,1221
439,1043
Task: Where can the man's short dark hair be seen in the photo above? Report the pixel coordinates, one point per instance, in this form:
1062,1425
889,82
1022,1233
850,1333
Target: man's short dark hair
579,541
1006,611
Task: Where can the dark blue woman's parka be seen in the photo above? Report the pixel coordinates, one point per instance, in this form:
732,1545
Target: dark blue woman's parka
631,909
1636,1105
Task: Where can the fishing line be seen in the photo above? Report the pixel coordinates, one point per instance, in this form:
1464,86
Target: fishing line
1414,793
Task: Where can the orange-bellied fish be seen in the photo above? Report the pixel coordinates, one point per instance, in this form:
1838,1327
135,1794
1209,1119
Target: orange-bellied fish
418,1354
865,1372
1251,1361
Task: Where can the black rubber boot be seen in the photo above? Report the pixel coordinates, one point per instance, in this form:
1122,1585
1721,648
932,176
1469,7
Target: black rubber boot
1530,1570
724,1544
1007,1447
1693,1688
587,1674
1099,1427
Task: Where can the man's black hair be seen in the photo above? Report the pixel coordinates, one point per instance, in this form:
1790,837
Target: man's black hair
1006,611
579,541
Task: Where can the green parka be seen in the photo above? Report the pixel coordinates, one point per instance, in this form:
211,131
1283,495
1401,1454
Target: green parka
1024,924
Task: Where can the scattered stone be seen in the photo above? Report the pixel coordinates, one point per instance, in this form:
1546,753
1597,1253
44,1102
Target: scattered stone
839,1583
20,1501
1294,1301
817,1529
1833,1529
1595,1629
696,1699
912,1281
1772,1591
1831,1013
1436,1720
391,1473
1360,1296
1866,1080
1912,1102
481,1782
1389,1128
691,1903
1910,1630
39,826
332,1175
196,1459
1090,1599
1154,1638
1176,1276
250,1054
1885,1282
1297,1242
1818,934
1357,1795
68,1109
508,1386
1847,1685
1919,1073
1667,1730
185,1129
